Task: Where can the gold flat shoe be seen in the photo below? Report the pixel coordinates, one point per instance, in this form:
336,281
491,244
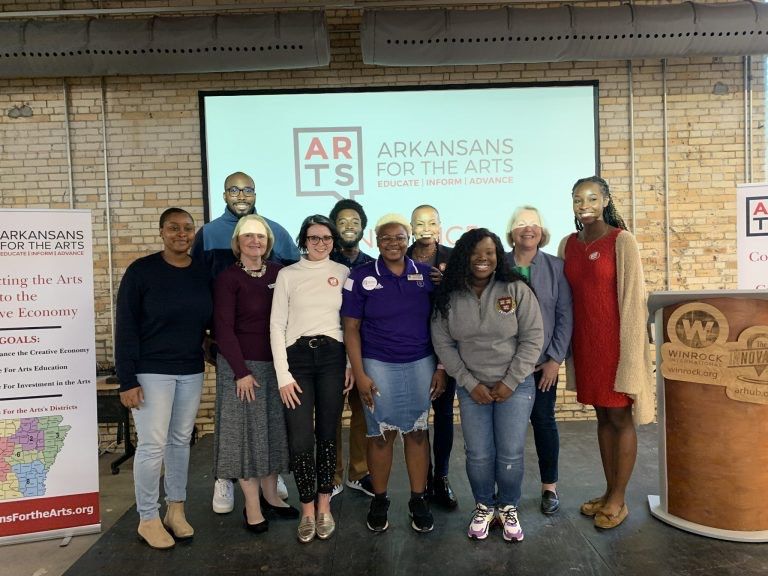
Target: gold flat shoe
306,531
608,521
325,525
592,507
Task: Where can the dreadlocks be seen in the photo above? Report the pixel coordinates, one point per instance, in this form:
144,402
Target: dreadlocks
610,214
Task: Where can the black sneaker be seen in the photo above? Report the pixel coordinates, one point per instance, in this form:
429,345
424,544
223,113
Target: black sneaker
364,485
377,514
421,517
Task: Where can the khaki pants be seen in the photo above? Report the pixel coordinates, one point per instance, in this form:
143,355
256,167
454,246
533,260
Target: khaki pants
358,465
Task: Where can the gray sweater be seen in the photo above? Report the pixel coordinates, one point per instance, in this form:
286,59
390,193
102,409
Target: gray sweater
496,337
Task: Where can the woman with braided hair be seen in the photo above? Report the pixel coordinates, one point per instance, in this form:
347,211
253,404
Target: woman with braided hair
610,362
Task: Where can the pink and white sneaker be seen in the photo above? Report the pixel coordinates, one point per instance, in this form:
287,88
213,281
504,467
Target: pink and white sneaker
482,518
513,532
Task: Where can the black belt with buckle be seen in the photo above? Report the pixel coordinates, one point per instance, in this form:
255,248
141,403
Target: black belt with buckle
314,341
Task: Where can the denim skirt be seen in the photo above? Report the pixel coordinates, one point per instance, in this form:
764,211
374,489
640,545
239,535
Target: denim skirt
402,403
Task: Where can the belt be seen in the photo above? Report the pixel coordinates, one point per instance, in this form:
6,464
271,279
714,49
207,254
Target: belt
314,341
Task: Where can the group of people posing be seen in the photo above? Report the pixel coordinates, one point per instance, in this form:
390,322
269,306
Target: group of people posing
294,328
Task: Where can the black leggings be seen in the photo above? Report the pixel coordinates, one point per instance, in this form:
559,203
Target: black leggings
318,365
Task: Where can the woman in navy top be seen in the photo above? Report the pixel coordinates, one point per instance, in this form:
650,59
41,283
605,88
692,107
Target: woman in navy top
385,310
163,309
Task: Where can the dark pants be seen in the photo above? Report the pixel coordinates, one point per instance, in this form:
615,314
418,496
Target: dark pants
545,431
319,372
442,424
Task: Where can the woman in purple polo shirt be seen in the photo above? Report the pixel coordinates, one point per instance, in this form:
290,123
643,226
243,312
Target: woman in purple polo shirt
385,310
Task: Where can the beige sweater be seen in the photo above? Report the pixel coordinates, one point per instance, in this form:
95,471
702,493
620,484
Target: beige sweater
633,374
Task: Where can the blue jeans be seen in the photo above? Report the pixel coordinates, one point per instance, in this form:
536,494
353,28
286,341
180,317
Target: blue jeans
164,425
494,439
545,432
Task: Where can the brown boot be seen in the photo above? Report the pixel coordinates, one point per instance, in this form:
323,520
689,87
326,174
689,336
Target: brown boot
153,533
176,522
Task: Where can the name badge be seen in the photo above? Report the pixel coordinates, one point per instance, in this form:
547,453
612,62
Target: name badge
416,277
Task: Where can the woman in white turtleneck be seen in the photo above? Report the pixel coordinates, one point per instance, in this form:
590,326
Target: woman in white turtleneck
310,362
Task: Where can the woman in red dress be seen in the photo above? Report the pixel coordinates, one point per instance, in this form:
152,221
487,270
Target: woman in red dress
610,366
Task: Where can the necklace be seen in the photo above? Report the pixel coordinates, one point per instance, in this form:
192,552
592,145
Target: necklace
427,258
257,273
587,245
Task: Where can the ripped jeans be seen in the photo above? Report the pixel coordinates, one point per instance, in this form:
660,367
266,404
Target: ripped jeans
403,400
494,440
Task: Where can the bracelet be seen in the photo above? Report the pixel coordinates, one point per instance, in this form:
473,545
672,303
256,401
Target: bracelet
440,367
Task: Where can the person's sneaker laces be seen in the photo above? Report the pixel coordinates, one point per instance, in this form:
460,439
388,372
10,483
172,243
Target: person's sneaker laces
282,489
513,532
337,489
482,518
421,517
377,514
223,496
363,485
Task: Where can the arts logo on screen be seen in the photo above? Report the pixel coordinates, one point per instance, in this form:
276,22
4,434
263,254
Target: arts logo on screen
757,216
329,161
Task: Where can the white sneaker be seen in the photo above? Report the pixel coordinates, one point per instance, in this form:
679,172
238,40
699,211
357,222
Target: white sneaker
337,489
282,489
223,496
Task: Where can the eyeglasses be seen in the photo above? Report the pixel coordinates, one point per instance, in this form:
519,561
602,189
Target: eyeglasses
315,240
386,239
234,191
526,223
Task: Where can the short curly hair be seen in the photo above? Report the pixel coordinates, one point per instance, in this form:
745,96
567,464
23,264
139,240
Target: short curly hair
393,218
348,204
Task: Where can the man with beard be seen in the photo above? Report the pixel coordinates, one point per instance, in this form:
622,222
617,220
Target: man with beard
425,224
350,220
213,241
213,247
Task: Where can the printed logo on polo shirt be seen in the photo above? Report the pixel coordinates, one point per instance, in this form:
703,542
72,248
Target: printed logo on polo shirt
506,305
369,283
333,281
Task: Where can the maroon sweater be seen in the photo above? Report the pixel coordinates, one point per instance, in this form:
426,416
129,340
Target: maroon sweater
241,308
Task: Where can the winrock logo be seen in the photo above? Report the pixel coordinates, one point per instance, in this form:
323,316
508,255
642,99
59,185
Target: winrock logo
697,326
757,216
329,161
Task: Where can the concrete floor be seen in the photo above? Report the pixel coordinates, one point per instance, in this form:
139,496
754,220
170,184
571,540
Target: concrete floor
48,557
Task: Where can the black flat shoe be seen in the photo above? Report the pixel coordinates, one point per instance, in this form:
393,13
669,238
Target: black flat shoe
288,512
442,493
550,503
259,528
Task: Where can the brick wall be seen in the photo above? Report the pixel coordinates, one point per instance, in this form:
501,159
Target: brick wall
153,152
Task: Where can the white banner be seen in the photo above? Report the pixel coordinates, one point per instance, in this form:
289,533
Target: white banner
49,475
752,236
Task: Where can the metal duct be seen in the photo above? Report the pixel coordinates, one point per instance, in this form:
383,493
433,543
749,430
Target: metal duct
108,47
566,33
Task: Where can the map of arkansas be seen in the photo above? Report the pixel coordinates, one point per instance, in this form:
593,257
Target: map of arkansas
28,449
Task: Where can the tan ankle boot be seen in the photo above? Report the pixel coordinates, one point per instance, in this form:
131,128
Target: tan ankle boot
176,522
153,533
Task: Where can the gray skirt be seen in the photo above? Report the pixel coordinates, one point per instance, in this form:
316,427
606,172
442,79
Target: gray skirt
251,440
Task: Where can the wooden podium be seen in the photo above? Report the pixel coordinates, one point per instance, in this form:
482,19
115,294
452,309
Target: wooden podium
712,394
